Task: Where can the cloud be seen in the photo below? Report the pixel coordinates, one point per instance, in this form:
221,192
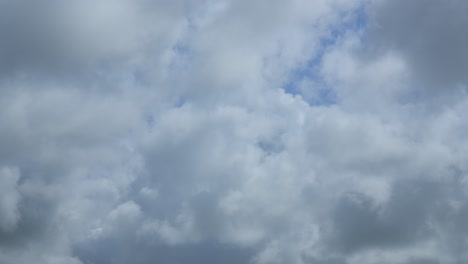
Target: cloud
431,36
233,131
9,199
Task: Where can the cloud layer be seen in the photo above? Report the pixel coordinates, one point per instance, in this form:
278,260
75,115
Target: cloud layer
219,131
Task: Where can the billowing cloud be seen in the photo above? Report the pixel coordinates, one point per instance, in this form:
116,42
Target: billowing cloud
220,131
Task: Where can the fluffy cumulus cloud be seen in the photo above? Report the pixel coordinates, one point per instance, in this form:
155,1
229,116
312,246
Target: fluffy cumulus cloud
232,131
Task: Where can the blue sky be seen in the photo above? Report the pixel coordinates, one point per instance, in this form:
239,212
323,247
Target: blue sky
354,24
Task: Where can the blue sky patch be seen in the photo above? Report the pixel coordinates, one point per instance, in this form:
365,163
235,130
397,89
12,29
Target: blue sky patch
354,21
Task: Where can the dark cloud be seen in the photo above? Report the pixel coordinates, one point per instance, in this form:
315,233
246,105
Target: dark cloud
359,224
431,35
204,252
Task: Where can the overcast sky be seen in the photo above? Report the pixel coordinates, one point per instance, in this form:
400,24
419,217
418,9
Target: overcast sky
233,131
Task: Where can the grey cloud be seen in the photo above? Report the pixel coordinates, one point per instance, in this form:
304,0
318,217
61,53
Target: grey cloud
205,252
148,131
10,199
431,35
360,224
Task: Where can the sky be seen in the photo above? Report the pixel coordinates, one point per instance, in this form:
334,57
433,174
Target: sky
233,131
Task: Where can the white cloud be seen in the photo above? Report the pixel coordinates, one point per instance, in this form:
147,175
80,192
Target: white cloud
142,131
